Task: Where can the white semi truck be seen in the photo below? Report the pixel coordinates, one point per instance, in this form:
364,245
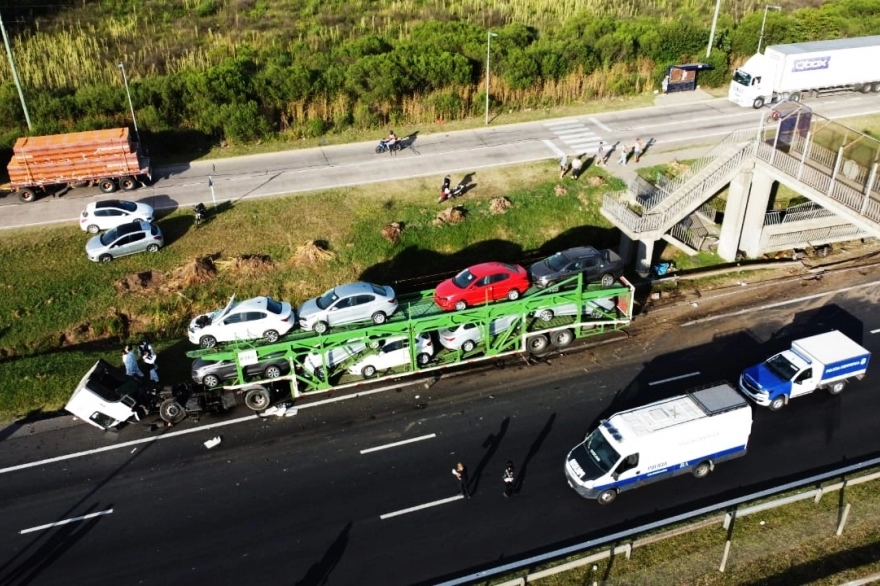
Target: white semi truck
790,72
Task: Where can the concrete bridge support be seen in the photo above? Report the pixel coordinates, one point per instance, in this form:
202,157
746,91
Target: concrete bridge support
756,209
734,213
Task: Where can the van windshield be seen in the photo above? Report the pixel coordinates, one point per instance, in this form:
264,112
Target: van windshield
601,452
781,367
742,78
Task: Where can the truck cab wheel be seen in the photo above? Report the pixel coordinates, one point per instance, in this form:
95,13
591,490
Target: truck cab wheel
606,497
171,411
758,103
777,403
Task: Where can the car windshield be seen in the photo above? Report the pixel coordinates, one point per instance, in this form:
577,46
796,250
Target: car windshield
327,299
557,262
273,306
127,206
741,77
463,279
109,236
781,367
600,451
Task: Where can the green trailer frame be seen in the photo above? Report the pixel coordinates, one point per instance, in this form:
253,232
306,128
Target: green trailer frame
590,310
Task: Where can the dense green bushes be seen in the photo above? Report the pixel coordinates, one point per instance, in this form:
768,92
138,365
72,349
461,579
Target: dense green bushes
343,71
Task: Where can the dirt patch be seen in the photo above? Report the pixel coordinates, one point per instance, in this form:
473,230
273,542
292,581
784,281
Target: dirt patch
499,205
676,169
392,231
139,282
454,215
311,252
196,272
560,191
595,181
248,264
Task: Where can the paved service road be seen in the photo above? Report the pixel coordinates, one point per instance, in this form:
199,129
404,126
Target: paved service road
673,128
295,501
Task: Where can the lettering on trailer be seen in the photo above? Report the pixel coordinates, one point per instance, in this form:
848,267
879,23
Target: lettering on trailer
811,64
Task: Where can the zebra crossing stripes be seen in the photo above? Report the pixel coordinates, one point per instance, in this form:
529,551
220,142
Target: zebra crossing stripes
574,134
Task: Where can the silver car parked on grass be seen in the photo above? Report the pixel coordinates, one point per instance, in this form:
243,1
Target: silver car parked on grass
347,304
123,240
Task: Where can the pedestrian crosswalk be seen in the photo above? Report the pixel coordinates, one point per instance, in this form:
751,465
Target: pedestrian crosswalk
576,135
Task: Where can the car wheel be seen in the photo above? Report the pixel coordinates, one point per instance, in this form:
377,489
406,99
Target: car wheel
211,380
537,344
837,388
93,229
513,294
207,341
545,314
272,371
257,399
562,338
423,359
153,248
321,327
171,411
107,185
702,470
368,371
606,497
468,346
460,305
607,280
127,183
379,318
319,373
552,286
777,403
271,336
105,258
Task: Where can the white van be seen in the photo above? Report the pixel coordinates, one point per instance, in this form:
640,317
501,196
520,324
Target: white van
688,433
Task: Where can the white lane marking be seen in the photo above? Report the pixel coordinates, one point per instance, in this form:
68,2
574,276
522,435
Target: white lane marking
583,144
420,507
553,147
875,331
672,378
65,522
574,132
400,443
563,123
777,304
193,430
599,124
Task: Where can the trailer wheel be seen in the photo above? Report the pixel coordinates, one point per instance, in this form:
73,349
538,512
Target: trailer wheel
257,399
866,87
128,183
562,338
27,195
171,411
837,388
758,103
537,344
211,380
606,497
107,185
702,470
468,346
795,97
777,403
875,87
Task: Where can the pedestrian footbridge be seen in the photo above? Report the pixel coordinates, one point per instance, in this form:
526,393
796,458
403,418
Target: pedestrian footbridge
833,166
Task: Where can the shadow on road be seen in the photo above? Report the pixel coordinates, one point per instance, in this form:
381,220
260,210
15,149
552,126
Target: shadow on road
320,571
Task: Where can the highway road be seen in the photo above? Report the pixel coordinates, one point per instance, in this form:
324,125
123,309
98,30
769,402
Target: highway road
671,128
299,500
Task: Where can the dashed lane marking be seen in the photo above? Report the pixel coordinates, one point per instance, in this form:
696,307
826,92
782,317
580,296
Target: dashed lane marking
65,522
420,507
400,443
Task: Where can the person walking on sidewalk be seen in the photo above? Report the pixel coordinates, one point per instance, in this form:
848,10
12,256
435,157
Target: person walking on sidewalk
637,149
460,473
624,154
563,166
507,477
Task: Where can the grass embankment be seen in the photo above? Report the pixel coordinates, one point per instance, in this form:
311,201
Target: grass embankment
793,544
55,321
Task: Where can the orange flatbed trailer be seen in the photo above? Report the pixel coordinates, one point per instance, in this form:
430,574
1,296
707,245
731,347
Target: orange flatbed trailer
110,158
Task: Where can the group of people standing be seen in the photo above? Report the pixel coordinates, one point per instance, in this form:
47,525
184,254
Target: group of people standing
146,354
507,477
601,157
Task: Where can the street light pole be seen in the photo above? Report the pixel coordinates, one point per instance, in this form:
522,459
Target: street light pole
763,22
27,116
489,36
130,105
714,24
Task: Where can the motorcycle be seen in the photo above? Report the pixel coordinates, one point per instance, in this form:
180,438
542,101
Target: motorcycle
448,192
384,146
201,213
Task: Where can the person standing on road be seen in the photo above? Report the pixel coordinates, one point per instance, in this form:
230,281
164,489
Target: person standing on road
563,166
149,358
637,149
129,360
460,472
507,477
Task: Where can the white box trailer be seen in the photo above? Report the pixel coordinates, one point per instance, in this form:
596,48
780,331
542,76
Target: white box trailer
688,433
790,72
